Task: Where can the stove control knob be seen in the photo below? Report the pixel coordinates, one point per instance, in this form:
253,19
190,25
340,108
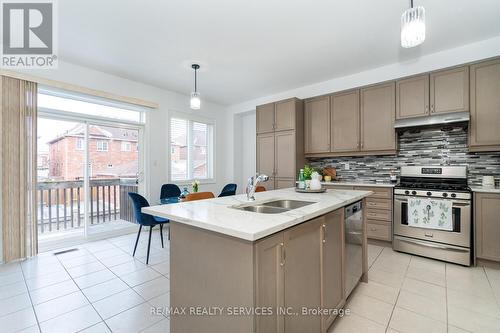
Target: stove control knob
414,192
407,192
445,195
429,194
453,195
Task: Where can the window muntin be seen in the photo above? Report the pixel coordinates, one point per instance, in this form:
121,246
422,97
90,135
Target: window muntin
126,146
102,145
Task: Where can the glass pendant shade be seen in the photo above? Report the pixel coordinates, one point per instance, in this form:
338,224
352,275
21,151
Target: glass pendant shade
413,27
195,101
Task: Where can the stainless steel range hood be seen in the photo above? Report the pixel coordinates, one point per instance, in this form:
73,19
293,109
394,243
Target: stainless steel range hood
446,118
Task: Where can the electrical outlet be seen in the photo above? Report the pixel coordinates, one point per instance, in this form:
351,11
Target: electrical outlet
346,166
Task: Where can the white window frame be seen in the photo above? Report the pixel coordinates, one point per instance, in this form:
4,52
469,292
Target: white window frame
80,144
126,146
104,143
212,168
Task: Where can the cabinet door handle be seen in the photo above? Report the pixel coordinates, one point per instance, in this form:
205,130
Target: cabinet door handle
324,233
432,108
362,145
282,253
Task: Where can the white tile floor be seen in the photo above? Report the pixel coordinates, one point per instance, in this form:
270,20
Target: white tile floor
99,288
102,288
413,294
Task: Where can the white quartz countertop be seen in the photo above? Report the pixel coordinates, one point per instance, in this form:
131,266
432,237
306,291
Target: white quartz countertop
485,189
219,214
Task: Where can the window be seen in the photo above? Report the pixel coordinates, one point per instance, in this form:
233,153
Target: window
126,146
58,100
79,144
191,149
102,145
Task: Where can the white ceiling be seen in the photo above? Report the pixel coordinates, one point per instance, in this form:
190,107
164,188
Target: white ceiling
254,48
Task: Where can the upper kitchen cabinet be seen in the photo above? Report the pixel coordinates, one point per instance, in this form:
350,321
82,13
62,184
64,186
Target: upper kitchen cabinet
412,97
449,90
317,125
265,118
345,135
377,118
280,146
284,118
485,106
279,116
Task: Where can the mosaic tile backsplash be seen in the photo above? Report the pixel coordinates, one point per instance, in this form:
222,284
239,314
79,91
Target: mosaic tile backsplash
436,145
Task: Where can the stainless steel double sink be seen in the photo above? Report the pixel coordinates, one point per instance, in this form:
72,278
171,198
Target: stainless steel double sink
274,207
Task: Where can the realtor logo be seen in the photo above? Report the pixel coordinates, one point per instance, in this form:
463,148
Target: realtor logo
28,34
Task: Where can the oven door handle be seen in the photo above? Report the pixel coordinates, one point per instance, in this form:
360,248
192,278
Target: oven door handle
436,246
455,203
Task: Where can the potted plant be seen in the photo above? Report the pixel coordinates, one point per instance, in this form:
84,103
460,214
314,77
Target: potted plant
307,175
196,185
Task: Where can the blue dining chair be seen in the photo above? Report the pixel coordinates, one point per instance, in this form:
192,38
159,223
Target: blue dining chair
169,191
146,220
229,189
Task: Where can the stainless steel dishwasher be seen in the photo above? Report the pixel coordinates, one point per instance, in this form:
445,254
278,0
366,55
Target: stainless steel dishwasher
353,245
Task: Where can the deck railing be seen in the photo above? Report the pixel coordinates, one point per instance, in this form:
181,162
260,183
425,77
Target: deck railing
61,203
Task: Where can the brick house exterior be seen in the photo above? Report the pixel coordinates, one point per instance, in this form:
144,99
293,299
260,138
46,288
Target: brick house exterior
112,151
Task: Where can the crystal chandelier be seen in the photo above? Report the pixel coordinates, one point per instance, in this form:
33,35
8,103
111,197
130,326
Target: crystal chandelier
413,26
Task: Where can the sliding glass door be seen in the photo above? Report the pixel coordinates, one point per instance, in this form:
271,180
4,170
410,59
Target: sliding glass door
60,178
90,156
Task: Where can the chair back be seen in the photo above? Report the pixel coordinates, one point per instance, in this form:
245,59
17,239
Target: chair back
260,189
199,196
229,189
139,202
169,191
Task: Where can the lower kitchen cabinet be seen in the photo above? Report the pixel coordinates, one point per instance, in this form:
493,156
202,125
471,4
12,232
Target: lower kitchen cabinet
301,267
269,282
487,225
378,212
332,252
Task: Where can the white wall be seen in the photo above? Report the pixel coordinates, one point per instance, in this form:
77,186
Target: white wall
158,121
244,148
452,57
157,129
157,138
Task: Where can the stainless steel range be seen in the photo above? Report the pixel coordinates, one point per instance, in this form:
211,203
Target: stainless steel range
440,184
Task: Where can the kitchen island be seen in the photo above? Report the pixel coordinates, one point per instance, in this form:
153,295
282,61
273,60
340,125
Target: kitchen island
237,266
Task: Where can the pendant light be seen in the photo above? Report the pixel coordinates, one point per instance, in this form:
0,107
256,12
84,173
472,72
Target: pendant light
195,95
413,26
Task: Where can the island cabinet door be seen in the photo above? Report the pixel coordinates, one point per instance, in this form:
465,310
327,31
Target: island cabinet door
332,239
269,283
302,276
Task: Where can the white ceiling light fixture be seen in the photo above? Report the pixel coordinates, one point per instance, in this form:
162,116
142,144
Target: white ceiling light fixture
195,95
413,26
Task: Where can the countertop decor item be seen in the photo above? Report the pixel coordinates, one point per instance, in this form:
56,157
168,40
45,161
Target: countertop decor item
315,181
330,171
321,190
196,185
